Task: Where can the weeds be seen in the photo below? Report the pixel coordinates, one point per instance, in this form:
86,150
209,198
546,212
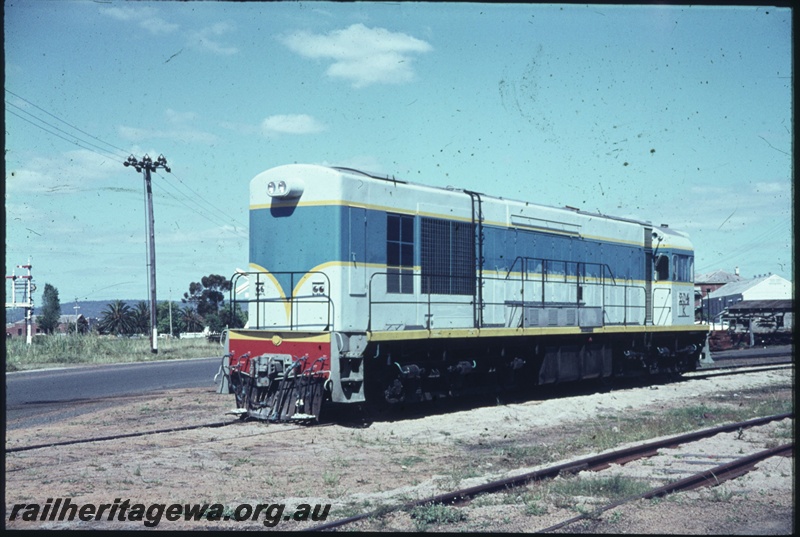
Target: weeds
93,349
331,479
516,456
613,487
721,494
410,460
613,431
435,514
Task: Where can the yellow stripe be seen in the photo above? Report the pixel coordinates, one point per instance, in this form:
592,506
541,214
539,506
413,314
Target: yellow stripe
461,333
262,270
286,336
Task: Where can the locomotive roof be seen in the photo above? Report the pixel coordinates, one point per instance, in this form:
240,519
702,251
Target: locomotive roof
664,228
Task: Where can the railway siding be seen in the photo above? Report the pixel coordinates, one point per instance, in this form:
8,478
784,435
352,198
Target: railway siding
358,468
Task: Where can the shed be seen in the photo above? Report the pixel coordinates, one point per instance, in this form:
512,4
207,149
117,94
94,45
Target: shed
772,287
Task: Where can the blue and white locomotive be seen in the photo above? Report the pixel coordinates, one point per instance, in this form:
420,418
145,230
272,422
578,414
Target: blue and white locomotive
366,289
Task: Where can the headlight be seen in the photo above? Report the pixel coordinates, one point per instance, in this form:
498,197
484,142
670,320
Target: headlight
289,188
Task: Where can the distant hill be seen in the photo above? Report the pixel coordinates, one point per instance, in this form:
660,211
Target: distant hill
91,309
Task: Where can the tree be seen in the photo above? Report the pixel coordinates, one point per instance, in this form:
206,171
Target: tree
117,319
82,326
235,320
51,310
140,318
190,320
163,316
208,294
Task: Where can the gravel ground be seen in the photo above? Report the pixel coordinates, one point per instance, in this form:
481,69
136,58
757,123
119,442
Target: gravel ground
361,467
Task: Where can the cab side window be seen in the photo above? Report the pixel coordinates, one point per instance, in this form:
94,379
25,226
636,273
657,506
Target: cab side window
662,268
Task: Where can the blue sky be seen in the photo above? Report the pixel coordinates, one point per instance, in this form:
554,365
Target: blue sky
674,114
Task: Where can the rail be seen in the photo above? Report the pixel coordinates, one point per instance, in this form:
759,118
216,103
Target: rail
256,282
590,463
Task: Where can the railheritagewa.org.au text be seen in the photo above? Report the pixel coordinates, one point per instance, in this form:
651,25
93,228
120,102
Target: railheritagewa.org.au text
151,515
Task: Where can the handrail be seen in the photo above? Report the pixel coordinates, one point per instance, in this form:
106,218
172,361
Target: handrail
526,259
573,277
294,301
430,299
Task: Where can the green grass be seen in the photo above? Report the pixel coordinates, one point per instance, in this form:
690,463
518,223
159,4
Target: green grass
435,514
517,456
614,487
55,350
609,432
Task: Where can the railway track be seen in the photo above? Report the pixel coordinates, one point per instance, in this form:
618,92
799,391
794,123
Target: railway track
716,371
596,463
749,357
700,374
210,425
712,477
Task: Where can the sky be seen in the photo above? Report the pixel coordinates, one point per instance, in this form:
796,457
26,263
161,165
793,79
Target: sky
680,115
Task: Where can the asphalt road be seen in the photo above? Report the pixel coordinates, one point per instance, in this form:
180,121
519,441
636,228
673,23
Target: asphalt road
32,393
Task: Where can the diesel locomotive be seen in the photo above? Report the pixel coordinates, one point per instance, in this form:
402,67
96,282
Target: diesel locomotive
365,289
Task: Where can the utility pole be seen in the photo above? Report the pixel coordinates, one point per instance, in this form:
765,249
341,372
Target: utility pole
170,313
76,307
147,165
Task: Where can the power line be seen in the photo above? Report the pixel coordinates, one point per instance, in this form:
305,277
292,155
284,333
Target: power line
64,122
209,204
216,221
747,247
223,220
54,134
195,198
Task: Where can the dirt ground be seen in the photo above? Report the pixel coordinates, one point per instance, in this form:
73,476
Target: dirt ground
357,467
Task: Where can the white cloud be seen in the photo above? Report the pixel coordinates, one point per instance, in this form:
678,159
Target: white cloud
173,116
69,172
144,17
291,124
184,135
208,39
362,55
774,187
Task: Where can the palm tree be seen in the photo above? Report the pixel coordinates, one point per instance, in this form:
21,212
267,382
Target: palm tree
141,318
117,318
192,321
